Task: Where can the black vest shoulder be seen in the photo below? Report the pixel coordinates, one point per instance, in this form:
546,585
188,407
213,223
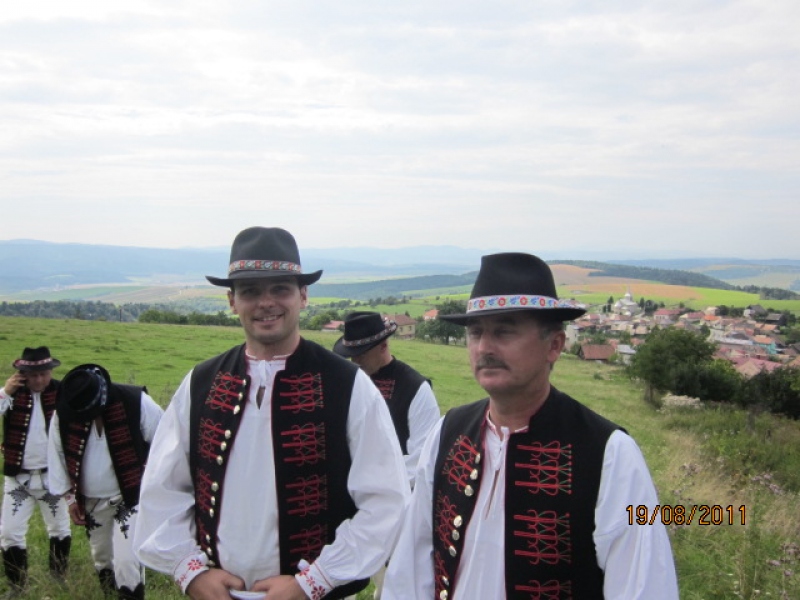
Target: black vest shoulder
398,384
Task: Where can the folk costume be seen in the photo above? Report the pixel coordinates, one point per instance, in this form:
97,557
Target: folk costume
407,393
26,420
99,442
539,512
273,467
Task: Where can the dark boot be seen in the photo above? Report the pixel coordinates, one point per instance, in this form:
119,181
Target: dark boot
125,593
59,557
108,582
15,561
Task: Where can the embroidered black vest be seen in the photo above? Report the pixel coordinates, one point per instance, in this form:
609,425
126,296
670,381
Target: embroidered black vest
16,421
123,431
310,403
552,482
398,384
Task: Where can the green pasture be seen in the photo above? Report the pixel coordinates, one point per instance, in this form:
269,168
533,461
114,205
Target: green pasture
712,456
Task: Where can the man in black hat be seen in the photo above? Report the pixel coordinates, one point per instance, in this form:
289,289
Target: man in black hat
276,466
408,394
524,493
99,442
27,401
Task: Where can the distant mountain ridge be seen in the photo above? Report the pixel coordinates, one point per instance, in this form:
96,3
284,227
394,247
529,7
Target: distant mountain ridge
32,265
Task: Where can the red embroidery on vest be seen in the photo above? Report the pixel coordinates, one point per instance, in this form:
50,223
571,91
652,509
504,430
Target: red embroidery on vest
203,489
304,444
548,590
546,535
308,496
385,387
439,572
308,542
210,439
446,512
549,466
224,392
304,395
460,463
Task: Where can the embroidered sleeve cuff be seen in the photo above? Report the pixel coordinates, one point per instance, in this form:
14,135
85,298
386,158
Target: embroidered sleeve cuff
313,582
189,568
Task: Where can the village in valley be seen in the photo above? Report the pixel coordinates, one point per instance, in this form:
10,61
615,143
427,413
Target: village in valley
752,342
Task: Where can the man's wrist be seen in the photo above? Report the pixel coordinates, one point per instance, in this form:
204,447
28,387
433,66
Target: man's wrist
189,568
313,581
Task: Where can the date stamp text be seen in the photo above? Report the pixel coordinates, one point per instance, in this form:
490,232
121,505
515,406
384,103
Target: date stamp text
678,514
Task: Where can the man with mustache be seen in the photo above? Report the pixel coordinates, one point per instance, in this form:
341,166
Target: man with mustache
276,467
524,494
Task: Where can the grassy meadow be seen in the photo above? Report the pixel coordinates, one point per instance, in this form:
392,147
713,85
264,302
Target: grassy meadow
712,456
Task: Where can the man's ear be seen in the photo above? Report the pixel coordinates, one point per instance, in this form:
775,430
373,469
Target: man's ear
231,303
303,296
558,342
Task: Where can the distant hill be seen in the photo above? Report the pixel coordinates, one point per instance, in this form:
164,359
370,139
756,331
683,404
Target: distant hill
37,268
776,273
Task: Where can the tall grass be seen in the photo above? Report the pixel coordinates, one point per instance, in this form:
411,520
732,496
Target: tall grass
713,456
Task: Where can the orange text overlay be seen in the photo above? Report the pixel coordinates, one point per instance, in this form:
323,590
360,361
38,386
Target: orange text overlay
678,514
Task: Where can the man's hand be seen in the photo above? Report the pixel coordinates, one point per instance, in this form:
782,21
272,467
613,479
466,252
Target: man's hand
77,514
280,587
13,383
214,585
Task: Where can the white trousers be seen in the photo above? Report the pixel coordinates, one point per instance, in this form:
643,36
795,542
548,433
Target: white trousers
21,496
109,525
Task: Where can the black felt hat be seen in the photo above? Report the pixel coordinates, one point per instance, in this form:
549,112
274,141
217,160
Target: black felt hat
514,281
36,359
84,391
259,252
363,331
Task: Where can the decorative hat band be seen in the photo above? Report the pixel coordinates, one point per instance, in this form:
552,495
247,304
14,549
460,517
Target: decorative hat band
517,301
390,328
263,265
33,363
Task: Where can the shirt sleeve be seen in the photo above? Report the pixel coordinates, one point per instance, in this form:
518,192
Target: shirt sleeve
164,538
379,488
423,414
636,559
410,573
5,401
151,416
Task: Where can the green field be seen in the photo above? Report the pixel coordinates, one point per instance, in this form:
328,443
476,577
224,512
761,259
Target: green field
713,456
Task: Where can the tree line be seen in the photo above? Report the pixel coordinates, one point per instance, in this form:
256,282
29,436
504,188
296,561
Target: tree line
682,362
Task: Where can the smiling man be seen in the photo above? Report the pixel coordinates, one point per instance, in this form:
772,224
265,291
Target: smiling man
276,467
524,494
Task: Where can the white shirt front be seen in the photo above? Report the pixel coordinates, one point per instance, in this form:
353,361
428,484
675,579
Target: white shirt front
165,535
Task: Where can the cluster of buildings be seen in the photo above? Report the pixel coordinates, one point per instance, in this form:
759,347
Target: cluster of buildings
751,342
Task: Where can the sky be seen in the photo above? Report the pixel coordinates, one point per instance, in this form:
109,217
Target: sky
612,128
